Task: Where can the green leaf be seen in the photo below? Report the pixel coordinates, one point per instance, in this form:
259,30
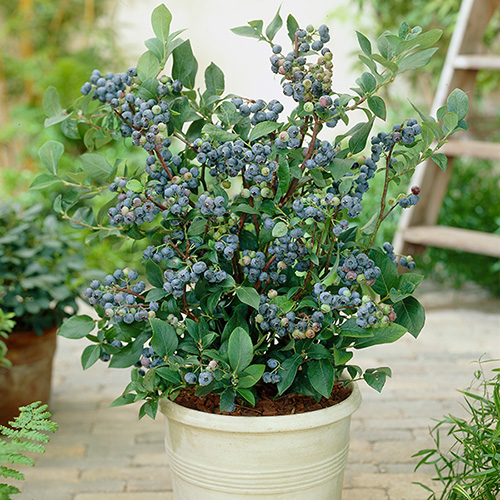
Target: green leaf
90,355
217,133
247,31
157,47
411,315
280,229
76,327
384,47
247,394
275,25
416,60
403,30
185,65
322,376
130,354
358,140
51,104
450,121
97,166
283,180
250,376
364,43
43,181
389,274
214,80
440,160
135,185
319,351
249,296
147,66
49,154
382,335
262,129
239,349
377,105
350,329
154,274
237,320
376,377
160,21
213,300
288,371
124,399
164,340
227,399
458,103
292,26
247,209
339,167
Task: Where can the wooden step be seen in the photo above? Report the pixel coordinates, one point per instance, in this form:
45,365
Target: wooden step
472,149
477,62
454,238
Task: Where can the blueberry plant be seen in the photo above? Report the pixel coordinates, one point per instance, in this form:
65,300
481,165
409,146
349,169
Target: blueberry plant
260,267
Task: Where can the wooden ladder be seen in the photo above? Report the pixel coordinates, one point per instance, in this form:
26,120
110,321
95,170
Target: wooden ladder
417,225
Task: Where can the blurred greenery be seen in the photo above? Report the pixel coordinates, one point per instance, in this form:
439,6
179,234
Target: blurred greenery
473,197
52,43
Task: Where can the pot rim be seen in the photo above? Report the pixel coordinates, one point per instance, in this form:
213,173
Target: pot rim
253,424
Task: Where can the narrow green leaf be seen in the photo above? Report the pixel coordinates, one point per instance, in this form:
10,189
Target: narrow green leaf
262,129
227,400
218,133
364,43
246,394
288,371
185,65
292,26
247,31
458,103
214,80
274,26
416,60
358,140
250,376
389,275
43,181
322,376
239,349
154,274
382,335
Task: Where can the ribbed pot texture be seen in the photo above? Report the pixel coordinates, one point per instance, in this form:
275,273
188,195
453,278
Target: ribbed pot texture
29,379
289,457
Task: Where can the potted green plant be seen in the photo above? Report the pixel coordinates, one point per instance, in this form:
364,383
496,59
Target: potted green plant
38,278
261,275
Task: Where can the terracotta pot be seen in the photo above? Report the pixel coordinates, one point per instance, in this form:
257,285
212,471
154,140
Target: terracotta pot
29,378
289,457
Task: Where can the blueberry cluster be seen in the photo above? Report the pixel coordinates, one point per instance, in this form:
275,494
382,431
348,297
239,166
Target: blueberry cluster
288,138
204,378
411,199
289,250
175,282
271,377
343,299
131,207
121,300
158,254
227,246
403,261
107,88
259,110
358,267
373,315
149,359
323,155
305,82
211,207
253,264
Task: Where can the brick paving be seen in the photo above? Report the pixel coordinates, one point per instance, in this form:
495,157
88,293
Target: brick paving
102,453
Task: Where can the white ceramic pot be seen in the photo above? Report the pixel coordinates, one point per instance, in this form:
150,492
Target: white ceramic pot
289,457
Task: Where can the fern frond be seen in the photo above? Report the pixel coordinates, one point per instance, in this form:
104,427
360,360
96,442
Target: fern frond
6,491
14,474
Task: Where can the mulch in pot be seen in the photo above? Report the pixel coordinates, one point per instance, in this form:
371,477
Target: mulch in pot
268,405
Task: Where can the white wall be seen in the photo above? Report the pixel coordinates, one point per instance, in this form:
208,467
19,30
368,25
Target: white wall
244,61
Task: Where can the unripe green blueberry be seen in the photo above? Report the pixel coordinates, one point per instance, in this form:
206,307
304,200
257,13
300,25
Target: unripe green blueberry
385,320
336,201
142,140
164,79
310,333
284,136
266,193
272,294
259,318
188,176
245,193
328,56
297,334
217,235
226,184
124,211
162,127
325,308
281,265
391,202
264,170
245,261
310,28
379,314
307,83
156,109
126,270
308,107
386,308
109,313
365,299
360,278
151,314
284,322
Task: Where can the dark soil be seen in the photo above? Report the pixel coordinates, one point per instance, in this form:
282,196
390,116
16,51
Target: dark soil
269,404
